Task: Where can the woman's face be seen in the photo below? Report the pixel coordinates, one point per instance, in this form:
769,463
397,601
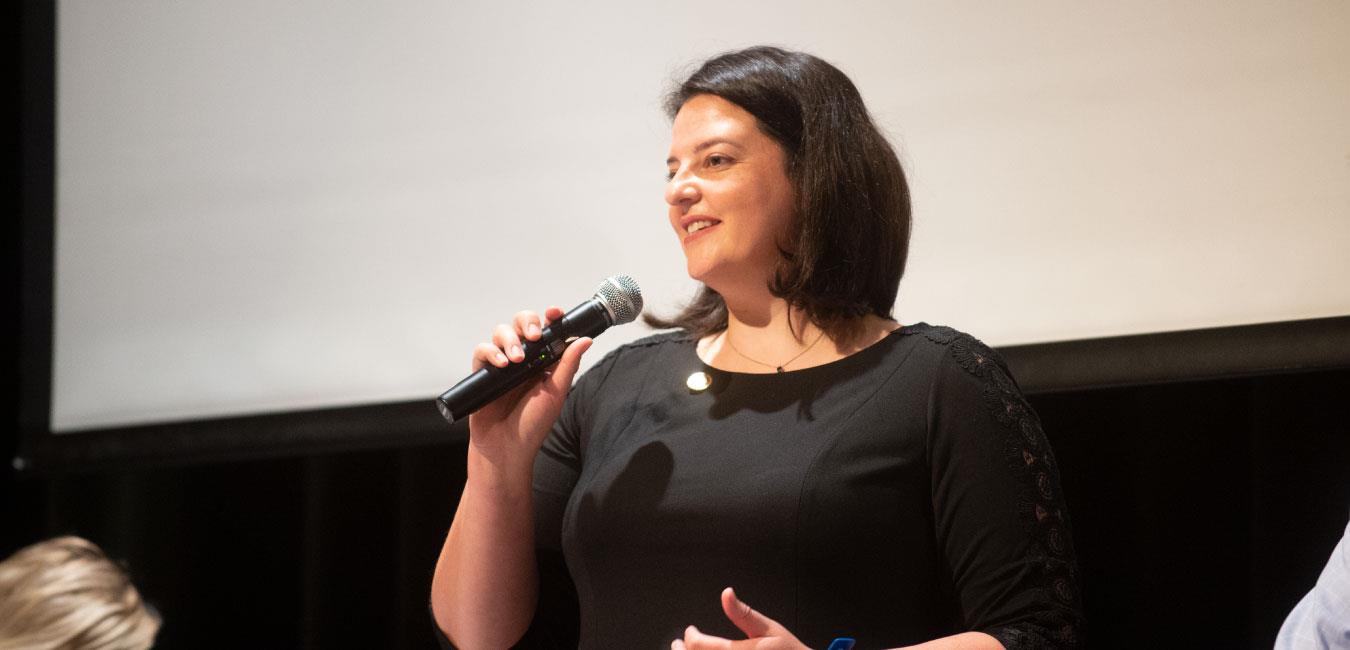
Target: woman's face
729,194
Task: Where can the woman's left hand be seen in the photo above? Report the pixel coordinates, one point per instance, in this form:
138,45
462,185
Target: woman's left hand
763,632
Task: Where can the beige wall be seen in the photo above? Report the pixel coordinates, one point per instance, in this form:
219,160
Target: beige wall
268,206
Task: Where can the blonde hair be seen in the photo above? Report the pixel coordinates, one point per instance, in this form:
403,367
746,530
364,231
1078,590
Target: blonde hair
65,594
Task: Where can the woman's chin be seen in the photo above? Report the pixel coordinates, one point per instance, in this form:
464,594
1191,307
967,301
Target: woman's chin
717,278
697,270
708,274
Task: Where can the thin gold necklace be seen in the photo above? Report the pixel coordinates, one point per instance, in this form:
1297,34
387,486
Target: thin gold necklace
726,336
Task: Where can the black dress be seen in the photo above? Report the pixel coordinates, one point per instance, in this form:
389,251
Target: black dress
897,495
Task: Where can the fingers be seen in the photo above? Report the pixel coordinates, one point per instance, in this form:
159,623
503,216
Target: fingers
508,341
528,325
762,632
485,354
561,379
696,640
753,623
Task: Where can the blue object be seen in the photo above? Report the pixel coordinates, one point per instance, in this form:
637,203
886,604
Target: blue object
842,643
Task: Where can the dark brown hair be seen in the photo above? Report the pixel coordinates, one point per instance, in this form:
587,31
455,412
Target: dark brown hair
845,253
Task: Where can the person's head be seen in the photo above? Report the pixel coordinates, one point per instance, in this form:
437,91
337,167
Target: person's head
814,198
65,593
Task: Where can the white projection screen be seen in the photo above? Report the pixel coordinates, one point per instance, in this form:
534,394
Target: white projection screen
272,206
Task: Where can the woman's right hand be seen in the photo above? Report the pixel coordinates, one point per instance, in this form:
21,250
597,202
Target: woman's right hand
512,427
486,584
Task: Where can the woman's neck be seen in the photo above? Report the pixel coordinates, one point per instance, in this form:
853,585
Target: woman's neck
765,335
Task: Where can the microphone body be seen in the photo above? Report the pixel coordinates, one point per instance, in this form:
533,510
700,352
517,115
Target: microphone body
617,302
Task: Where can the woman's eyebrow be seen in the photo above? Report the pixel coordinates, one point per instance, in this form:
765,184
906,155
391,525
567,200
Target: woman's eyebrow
704,145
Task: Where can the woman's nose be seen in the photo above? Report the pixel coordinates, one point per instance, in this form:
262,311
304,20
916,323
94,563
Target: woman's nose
682,190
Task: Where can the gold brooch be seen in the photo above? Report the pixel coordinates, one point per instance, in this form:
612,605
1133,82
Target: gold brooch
698,382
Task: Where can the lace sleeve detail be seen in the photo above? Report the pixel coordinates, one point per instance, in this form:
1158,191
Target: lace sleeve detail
1049,611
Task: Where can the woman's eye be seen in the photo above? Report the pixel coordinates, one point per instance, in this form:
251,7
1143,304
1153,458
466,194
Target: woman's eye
716,160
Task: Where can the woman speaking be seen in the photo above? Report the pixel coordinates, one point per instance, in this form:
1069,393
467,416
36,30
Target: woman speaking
789,465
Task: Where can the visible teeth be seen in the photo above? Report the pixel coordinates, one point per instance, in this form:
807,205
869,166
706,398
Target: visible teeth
698,225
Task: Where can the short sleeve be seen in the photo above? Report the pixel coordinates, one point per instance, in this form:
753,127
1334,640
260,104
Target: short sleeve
1000,518
558,464
556,470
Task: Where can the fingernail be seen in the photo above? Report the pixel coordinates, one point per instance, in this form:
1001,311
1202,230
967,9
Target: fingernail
516,351
501,358
534,330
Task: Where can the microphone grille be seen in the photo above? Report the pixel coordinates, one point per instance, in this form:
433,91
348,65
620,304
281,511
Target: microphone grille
621,297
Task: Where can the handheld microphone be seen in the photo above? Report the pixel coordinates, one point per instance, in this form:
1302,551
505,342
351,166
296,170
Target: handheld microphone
617,301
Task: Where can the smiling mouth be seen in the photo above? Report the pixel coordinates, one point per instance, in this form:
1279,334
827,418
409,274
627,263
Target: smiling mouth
701,224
